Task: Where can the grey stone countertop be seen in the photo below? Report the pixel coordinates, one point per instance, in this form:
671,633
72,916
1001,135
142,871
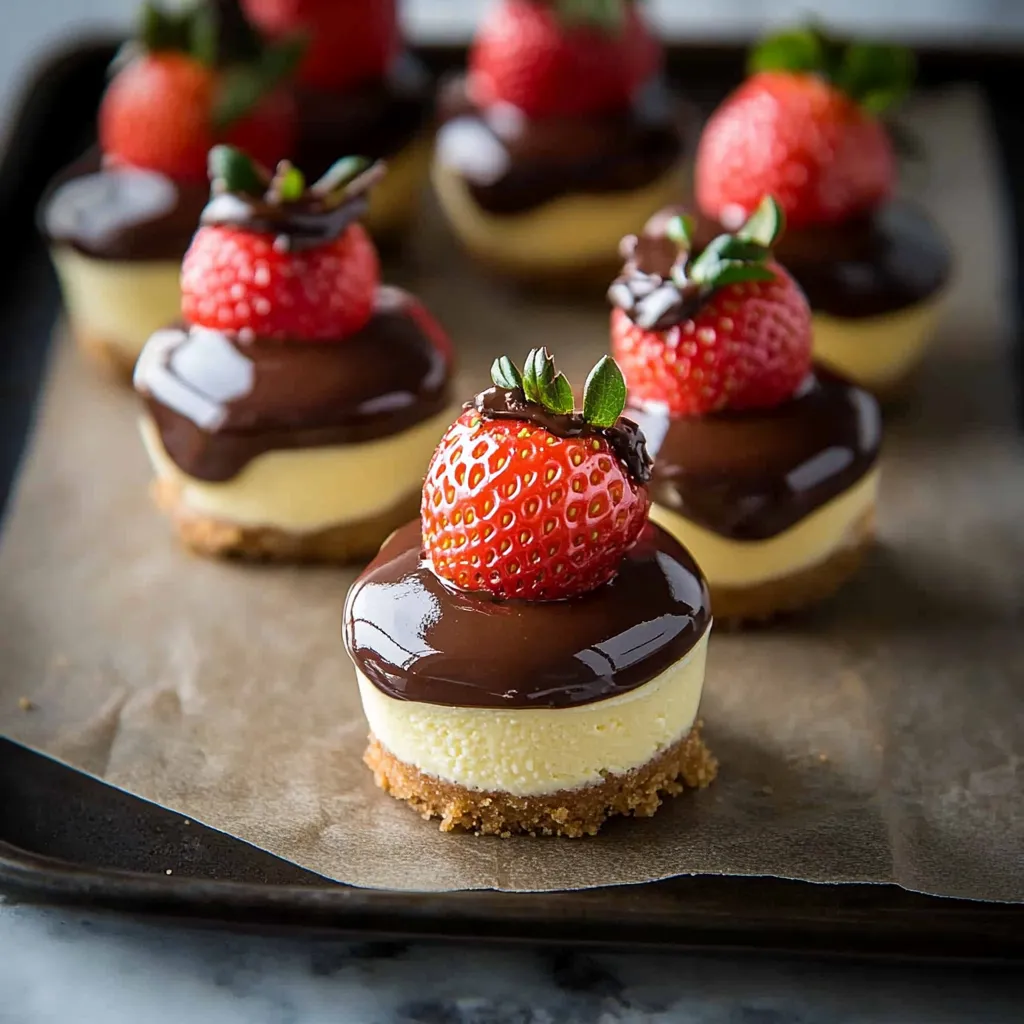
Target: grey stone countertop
58,966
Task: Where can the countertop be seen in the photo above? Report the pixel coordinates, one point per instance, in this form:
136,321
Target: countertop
72,967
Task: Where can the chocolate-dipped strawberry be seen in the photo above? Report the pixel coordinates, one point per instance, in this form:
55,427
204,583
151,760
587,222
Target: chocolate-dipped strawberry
293,413
805,128
530,652
765,467
561,137
359,90
120,219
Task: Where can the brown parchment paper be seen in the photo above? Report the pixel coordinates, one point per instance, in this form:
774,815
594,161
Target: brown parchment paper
878,740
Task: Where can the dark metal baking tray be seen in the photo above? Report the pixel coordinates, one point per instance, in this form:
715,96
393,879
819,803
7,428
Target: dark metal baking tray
69,839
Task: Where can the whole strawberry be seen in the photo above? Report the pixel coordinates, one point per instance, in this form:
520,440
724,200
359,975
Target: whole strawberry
562,58
350,41
804,129
524,498
191,80
725,329
275,259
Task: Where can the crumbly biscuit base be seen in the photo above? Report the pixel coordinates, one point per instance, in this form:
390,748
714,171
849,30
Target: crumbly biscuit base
734,607
568,812
215,538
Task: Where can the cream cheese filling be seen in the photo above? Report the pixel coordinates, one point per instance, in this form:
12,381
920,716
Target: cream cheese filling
537,751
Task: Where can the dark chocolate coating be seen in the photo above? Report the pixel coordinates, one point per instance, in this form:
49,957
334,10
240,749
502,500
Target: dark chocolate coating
513,164
121,213
417,638
751,475
219,402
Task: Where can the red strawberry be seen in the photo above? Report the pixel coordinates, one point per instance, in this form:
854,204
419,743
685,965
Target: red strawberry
350,41
562,59
526,499
729,329
278,260
185,91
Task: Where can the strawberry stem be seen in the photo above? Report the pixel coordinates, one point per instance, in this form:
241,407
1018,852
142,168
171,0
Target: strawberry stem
607,15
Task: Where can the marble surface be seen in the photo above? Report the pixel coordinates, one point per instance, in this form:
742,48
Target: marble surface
71,967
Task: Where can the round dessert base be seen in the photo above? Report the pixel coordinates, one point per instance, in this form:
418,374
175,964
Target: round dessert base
735,607
572,812
111,357
215,538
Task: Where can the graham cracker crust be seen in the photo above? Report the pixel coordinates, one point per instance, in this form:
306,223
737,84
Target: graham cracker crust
573,813
107,355
215,538
734,607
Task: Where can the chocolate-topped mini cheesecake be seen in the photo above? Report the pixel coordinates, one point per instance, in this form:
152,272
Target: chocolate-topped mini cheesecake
118,221
530,652
561,138
359,90
292,414
765,467
803,128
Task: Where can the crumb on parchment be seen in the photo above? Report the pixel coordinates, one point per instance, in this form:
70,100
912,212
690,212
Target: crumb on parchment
25,704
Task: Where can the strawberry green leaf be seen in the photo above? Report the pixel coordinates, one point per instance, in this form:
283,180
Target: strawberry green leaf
725,272
541,385
734,247
608,15
340,174
604,394
243,86
231,170
505,374
558,396
288,183
680,229
801,49
204,35
764,226
876,76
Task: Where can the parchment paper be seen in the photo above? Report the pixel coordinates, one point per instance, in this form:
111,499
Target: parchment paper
878,740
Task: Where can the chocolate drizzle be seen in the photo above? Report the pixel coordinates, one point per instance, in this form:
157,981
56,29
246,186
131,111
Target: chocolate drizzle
625,438
219,402
645,290
751,475
416,638
512,164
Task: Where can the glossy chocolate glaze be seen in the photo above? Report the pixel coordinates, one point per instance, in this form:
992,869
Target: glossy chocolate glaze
376,119
121,213
219,402
417,638
513,164
625,438
751,475
883,262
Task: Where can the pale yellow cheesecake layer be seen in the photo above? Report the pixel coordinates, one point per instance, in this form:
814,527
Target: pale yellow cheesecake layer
395,199
561,234
119,303
308,489
876,352
535,751
811,541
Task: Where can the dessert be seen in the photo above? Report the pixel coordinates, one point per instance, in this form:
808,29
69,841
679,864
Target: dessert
804,129
530,653
294,412
119,220
561,138
359,90
764,467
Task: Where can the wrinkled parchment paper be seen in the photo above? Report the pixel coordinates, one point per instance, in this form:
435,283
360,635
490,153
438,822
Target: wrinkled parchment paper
878,740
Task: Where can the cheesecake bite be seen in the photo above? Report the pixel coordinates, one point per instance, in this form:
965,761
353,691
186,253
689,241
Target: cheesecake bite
804,128
530,652
764,466
561,138
359,89
118,221
293,413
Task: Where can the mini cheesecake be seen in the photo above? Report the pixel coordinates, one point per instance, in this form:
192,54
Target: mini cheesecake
765,467
544,195
293,446
585,703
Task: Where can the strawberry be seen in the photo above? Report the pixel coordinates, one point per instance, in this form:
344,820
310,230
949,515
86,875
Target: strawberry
803,129
350,41
277,260
525,498
190,81
562,58
728,329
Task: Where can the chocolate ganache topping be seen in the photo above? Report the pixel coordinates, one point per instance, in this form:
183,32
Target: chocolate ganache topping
219,402
512,163
417,638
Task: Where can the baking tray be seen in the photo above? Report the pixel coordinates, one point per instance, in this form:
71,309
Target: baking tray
69,839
